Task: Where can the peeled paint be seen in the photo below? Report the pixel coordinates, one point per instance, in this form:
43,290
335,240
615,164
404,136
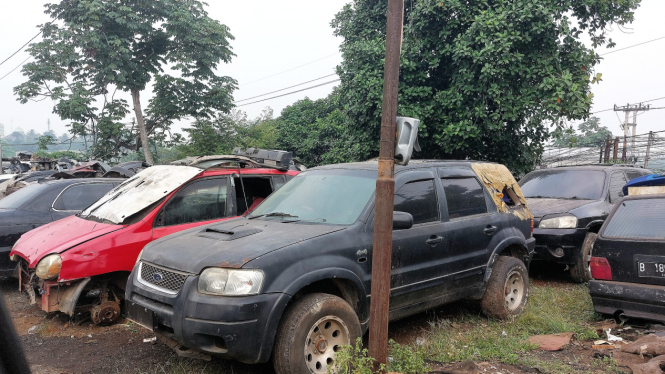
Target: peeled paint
496,178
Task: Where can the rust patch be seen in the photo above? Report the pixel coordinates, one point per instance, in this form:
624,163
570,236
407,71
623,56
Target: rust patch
497,178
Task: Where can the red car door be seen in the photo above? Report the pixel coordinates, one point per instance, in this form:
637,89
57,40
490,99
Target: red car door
202,201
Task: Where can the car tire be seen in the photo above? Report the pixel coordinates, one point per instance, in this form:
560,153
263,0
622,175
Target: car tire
310,333
580,271
507,290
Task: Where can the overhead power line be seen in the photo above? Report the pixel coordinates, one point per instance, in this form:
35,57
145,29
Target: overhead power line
631,46
643,101
286,88
290,93
294,68
19,65
20,49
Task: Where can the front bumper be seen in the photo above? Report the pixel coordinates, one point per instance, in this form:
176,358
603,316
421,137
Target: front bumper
548,240
635,300
238,328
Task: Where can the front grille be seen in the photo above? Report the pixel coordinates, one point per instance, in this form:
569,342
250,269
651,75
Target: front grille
166,280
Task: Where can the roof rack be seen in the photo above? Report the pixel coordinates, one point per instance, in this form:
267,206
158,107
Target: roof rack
600,165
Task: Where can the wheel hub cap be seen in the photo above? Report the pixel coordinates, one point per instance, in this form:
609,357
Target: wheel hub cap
514,290
325,338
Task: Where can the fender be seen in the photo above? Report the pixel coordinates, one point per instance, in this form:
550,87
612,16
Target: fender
505,243
598,222
332,273
71,295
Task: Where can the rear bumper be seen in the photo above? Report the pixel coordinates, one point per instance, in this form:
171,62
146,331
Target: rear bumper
548,240
238,328
632,299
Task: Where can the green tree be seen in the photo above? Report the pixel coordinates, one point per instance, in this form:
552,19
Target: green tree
93,48
591,134
487,78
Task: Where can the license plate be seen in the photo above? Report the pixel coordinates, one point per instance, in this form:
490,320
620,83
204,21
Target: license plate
141,315
651,269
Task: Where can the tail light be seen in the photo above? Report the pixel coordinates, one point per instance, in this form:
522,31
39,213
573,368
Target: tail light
600,268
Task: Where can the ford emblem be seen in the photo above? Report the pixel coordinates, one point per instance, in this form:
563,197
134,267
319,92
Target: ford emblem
157,277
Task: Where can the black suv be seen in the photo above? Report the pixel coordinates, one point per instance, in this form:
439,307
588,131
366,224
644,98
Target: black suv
628,263
569,205
293,278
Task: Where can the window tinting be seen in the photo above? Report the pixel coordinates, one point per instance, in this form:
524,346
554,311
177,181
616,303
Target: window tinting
564,184
638,219
617,181
81,196
23,196
418,199
632,174
199,201
464,196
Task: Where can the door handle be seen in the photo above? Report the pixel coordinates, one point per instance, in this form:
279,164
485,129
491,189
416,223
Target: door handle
489,230
434,240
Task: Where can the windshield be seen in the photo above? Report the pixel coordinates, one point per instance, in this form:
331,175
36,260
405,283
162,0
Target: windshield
22,196
564,184
320,196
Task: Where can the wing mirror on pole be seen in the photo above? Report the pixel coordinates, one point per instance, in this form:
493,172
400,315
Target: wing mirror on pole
402,221
407,139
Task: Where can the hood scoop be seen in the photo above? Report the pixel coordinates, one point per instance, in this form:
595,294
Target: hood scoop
228,235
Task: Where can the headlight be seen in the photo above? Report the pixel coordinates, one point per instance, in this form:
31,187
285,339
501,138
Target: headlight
49,267
229,282
139,258
563,222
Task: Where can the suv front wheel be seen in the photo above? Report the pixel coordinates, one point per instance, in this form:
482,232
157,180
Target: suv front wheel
312,331
507,290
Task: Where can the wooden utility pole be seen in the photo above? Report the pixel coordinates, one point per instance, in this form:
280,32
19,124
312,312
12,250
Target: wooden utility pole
385,189
616,149
608,144
2,171
646,157
630,129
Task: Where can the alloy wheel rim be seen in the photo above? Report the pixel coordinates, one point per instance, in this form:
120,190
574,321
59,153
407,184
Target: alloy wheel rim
325,338
514,290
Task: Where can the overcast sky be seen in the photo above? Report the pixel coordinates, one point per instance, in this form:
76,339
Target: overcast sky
274,36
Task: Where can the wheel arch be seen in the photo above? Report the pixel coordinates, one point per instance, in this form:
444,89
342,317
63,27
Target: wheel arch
513,247
594,226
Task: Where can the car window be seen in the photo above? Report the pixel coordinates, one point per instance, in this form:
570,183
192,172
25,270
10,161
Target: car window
23,196
81,196
202,200
418,199
638,219
278,182
617,181
563,184
632,174
464,196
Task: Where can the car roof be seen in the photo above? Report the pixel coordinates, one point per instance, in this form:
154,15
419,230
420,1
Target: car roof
599,167
79,180
413,164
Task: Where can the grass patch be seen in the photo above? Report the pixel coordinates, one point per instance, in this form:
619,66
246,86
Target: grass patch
471,336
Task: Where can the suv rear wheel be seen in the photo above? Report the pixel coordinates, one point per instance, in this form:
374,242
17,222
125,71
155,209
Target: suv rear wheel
580,271
312,331
507,290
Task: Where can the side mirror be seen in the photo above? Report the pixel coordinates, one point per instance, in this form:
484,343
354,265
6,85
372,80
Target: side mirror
407,139
402,221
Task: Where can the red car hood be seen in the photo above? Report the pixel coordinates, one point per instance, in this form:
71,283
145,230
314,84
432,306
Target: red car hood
58,237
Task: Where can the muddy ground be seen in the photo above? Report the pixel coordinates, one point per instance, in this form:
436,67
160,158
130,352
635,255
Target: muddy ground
57,344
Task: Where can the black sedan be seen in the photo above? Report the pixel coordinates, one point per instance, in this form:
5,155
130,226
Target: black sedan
628,263
41,203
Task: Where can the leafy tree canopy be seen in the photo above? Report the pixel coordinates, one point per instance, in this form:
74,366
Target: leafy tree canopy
591,134
94,48
486,77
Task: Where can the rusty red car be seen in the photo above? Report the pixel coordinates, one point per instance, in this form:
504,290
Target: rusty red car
81,263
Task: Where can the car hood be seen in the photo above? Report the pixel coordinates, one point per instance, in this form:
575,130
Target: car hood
228,244
58,237
544,206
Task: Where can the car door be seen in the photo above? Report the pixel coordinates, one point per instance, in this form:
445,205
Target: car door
617,181
76,197
472,223
415,251
202,201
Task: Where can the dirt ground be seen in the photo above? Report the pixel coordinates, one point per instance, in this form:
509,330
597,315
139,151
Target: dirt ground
56,344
